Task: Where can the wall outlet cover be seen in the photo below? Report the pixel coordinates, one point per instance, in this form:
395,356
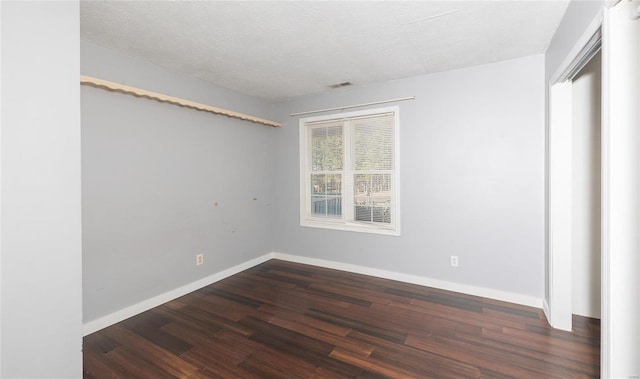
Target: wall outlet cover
454,261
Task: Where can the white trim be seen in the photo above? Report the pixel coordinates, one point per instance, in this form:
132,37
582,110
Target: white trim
0,193
605,317
348,226
610,3
545,309
578,54
620,342
490,293
145,305
346,222
606,346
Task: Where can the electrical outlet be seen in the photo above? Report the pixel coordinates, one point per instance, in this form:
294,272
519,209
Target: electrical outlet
199,259
454,261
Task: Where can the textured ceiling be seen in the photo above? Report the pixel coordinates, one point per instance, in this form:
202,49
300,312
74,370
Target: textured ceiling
280,50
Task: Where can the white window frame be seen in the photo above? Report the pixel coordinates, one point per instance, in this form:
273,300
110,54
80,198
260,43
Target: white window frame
346,222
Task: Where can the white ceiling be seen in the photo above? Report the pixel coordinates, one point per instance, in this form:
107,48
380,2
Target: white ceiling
280,50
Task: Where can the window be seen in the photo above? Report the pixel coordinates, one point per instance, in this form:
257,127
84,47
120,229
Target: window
349,171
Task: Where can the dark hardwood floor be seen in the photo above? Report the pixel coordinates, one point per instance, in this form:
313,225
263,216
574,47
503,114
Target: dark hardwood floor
287,320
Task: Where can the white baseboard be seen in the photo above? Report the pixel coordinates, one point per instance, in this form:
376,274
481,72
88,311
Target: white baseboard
547,312
123,314
509,297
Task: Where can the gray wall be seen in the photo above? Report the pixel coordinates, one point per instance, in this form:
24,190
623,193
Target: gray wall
456,137
41,300
575,21
152,174
472,179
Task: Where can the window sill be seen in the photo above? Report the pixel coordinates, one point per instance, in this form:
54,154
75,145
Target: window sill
351,227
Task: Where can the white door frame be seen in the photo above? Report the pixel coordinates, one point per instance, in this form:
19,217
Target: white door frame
559,307
620,276
620,323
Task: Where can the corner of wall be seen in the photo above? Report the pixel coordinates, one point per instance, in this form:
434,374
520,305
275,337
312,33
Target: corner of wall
145,305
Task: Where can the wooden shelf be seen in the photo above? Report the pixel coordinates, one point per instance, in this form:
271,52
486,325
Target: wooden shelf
116,87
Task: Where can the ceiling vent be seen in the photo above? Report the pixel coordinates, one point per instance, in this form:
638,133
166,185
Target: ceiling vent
339,85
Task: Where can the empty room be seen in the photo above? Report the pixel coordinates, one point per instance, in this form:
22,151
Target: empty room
320,189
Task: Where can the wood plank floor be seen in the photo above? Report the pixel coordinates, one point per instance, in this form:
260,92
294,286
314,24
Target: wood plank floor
287,320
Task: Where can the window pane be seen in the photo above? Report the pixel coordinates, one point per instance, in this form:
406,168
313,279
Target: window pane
373,143
372,197
356,150
326,195
326,148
